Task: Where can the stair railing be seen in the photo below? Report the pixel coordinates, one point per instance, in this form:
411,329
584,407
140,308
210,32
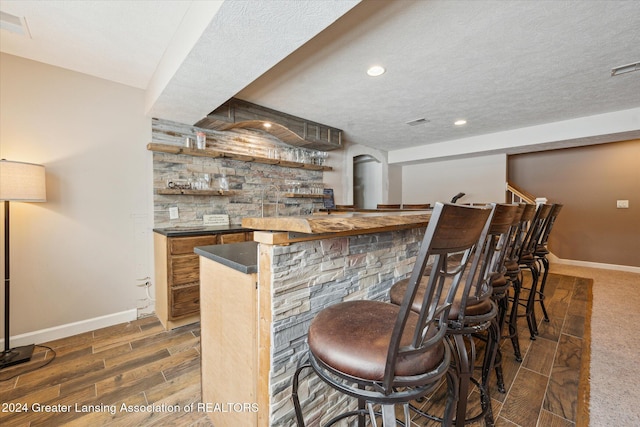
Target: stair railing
518,195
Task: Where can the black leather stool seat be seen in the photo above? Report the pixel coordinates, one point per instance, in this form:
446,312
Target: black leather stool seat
474,307
353,337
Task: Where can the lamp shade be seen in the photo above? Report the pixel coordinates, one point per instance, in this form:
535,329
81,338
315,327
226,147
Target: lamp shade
22,182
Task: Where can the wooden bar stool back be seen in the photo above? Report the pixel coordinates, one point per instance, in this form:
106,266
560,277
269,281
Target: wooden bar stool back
416,206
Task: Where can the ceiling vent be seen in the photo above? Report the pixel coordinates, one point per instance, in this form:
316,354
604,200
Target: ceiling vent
239,114
417,122
625,69
14,24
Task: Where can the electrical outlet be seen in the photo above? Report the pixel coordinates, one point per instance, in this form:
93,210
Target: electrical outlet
622,204
173,213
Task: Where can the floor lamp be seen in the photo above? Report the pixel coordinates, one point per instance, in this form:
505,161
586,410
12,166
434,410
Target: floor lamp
19,182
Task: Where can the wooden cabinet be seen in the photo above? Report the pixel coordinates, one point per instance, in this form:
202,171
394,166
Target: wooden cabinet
236,237
178,275
292,130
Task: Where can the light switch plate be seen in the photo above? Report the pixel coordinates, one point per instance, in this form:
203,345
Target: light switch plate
212,220
622,204
173,213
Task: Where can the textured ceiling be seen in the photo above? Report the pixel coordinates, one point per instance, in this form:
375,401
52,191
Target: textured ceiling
121,41
243,40
501,65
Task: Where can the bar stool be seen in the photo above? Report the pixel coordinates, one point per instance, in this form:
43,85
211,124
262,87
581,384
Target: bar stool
527,260
541,253
345,207
386,354
474,311
512,274
416,206
501,287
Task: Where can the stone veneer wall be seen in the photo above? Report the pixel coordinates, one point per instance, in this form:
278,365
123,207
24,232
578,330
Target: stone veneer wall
247,179
310,276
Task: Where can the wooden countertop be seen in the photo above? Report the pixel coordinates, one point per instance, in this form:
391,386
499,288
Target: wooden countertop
323,222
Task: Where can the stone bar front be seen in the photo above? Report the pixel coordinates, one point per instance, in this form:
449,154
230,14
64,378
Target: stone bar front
254,339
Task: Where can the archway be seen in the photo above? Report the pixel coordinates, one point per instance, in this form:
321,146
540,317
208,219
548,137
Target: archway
367,182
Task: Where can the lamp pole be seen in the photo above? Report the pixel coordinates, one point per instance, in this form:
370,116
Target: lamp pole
6,276
22,182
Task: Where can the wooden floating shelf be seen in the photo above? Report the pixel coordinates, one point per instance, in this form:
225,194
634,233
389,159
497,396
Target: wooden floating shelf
174,191
176,149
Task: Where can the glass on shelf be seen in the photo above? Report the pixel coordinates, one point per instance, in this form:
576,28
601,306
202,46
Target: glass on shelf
274,153
223,183
322,157
201,140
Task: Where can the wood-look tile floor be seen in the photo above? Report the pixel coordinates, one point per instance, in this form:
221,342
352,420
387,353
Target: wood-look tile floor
133,364
139,364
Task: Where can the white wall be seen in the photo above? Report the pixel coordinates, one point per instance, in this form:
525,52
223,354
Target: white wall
77,256
481,178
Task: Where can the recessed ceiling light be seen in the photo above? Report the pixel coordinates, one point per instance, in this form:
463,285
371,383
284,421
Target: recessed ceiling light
625,69
376,70
267,125
460,122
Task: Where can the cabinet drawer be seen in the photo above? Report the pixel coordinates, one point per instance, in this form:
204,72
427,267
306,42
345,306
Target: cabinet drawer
184,269
232,238
185,300
185,245
236,237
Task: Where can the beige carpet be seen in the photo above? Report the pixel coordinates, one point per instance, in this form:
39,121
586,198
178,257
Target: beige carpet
614,392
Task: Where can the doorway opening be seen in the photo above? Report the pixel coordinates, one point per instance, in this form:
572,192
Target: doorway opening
367,182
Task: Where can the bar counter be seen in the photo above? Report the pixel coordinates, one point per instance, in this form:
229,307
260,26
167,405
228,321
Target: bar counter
254,323
342,222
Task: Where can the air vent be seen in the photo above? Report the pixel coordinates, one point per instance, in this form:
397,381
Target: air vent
417,122
14,24
623,69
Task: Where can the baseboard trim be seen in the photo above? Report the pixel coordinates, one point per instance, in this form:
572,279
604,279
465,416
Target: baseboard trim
628,268
63,331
